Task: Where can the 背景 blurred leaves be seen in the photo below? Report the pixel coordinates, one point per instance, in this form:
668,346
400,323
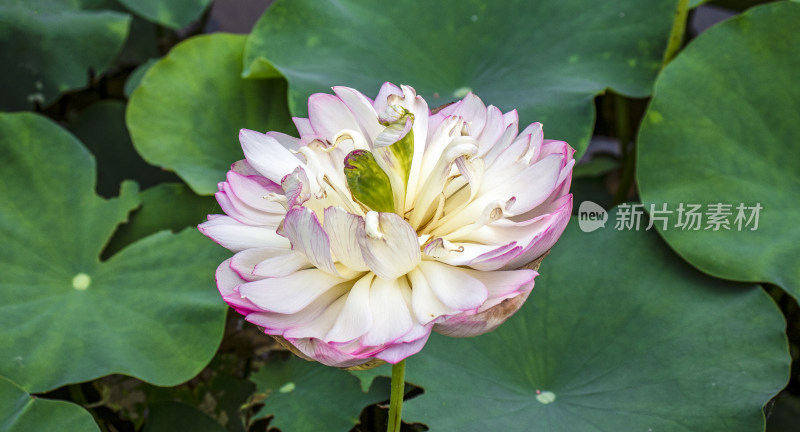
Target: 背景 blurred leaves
51,46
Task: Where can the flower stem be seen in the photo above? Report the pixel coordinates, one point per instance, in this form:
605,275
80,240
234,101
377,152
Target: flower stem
396,401
623,126
678,29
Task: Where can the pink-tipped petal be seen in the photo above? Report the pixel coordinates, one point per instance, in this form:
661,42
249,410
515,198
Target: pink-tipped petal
267,155
454,286
307,236
342,229
329,115
387,302
355,318
389,245
236,236
289,294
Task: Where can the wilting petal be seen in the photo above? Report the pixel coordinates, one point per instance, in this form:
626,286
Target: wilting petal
389,245
342,229
307,236
289,294
482,322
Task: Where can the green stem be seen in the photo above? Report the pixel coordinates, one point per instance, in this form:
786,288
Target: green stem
678,29
396,401
623,126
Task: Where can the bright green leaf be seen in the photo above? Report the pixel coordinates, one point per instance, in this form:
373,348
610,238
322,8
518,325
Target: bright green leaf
548,58
51,46
175,14
619,334
722,129
187,112
21,412
308,396
368,183
150,311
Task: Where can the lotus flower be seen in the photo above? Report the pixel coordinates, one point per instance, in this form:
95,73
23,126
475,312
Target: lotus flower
385,221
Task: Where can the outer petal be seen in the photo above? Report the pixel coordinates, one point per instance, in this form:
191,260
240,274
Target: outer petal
507,292
257,263
424,303
267,155
389,245
237,236
317,350
289,294
227,281
454,286
306,322
399,351
381,101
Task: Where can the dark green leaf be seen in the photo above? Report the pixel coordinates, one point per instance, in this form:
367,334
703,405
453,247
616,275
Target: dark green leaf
175,14
21,412
722,129
51,46
619,334
150,311
546,58
308,396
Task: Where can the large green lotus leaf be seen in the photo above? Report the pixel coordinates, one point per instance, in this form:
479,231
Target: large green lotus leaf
51,46
722,129
171,206
307,396
21,412
619,334
175,14
546,58
150,311
186,113
101,127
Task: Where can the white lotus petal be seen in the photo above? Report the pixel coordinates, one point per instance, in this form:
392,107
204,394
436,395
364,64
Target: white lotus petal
389,245
355,317
307,236
236,236
387,303
289,294
454,286
342,229
267,155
